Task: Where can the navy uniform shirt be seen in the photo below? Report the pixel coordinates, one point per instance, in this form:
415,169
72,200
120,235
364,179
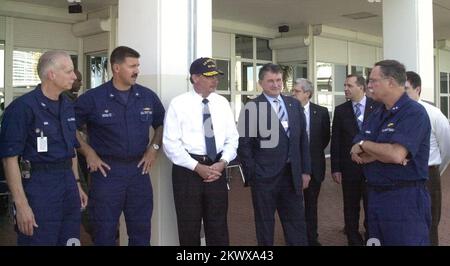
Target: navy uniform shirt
34,114
407,124
116,128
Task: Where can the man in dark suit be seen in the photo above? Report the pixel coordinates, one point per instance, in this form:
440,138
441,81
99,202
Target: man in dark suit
318,130
347,121
273,149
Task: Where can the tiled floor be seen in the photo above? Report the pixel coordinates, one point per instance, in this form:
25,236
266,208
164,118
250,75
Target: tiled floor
241,223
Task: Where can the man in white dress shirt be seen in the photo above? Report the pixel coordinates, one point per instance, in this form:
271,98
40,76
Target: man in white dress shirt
200,138
439,151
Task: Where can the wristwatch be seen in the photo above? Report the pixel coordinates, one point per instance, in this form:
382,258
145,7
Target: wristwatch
360,144
155,147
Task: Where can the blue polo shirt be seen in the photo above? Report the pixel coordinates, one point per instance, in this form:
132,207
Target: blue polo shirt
32,115
117,128
407,124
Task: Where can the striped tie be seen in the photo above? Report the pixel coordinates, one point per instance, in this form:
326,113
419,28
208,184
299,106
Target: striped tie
281,114
357,115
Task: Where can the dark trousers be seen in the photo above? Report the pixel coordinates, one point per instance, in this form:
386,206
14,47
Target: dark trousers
400,216
311,197
353,192
124,189
54,198
434,188
278,194
196,200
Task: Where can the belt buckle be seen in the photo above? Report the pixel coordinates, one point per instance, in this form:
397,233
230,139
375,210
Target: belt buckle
204,158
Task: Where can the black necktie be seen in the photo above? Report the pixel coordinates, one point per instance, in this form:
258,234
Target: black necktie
208,129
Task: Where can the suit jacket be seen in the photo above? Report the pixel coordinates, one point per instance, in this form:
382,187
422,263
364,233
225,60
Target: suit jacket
259,160
344,130
319,137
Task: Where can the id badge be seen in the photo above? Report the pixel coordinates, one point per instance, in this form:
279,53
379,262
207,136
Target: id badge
42,143
285,124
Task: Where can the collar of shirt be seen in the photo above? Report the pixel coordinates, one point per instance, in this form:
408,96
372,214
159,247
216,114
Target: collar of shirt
362,104
47,103
306,108
399,104
271,99
113,92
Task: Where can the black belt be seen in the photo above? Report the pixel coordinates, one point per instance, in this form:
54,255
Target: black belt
433,167
396,185
121,159
64,165
204,159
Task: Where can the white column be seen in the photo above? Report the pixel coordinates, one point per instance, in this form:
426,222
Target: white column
168,34
408,38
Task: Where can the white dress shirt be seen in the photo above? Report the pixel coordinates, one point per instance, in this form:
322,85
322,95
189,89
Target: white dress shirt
307,114
183,128
439,137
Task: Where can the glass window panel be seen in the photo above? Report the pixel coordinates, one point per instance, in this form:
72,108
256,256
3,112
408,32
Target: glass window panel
300,71
263,51
325,100
358,70
24,69
98,74
324,76
340,73
244,46
339,99
444,82
224,81
444,105
248,83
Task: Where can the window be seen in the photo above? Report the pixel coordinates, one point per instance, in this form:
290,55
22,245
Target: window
97,70
445,93
251,54
330,84
25,74
224,82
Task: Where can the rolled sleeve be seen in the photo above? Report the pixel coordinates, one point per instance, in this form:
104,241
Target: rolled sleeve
15,125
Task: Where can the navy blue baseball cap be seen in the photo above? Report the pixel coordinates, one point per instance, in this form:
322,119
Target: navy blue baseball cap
205,66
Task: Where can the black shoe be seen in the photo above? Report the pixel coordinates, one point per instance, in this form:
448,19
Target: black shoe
314,243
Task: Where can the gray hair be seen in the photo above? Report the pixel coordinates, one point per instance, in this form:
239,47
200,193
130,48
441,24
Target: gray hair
306,85
49,60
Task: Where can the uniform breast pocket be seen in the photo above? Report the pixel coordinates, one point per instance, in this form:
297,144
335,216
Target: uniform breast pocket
146,115
46,128
107,119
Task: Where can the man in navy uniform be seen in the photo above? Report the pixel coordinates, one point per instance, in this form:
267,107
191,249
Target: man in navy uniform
394,146
40,127
274,151
118,116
